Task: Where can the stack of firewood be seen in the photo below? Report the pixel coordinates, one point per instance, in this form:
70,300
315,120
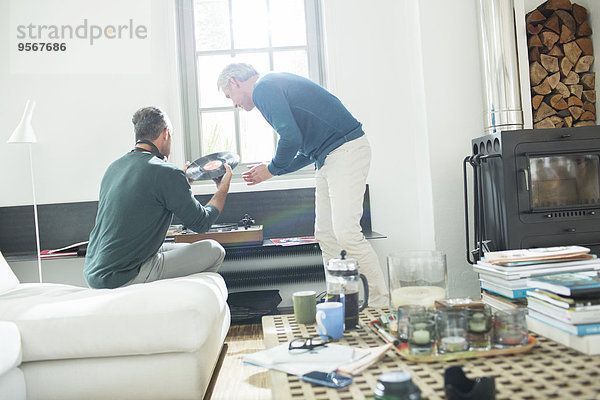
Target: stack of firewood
560,60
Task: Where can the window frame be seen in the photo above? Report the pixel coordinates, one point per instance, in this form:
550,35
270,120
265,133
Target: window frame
188,71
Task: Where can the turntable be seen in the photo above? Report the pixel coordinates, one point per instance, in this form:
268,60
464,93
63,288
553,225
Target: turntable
239,233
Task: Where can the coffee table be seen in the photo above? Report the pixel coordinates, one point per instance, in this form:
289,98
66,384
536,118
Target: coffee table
549,371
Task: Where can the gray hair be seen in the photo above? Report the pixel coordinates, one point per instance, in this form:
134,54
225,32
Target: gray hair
240,71
149,122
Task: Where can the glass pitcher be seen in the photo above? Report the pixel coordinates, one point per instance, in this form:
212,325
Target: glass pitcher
342,280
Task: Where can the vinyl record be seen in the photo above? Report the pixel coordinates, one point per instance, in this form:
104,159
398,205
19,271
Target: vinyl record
211,166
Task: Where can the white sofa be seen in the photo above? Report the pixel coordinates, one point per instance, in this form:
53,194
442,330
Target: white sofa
159,340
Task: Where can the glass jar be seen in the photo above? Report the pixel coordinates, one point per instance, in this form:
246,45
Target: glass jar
396,386
417,277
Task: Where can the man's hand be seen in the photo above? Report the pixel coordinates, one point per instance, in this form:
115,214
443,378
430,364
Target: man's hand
224,181
257,174
218,199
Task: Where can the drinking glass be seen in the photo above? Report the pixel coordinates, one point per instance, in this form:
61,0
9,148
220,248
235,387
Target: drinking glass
402,318
510,328
421,332
479,327
452,330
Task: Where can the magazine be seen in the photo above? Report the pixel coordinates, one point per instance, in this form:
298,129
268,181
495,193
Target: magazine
536,254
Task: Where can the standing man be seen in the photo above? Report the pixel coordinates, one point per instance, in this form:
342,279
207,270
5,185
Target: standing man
139,195
314,127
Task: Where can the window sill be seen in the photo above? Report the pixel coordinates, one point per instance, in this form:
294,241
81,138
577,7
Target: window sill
240,186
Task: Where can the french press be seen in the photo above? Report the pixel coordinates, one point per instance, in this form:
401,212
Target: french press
342,280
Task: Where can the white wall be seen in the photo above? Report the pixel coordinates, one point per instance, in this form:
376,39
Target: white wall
408,69
83,121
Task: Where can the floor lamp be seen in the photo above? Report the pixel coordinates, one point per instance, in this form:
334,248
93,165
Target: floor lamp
24,133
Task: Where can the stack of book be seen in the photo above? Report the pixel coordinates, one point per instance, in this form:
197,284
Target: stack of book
504,275
566,308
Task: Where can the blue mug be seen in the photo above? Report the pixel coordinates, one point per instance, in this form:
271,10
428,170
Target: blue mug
330,319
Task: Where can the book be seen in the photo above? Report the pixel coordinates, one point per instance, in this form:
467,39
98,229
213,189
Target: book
589,344
575,284
513,284
512,273
578,317
72,250
294,241
512,293
565,302
499,302
577,330
535,254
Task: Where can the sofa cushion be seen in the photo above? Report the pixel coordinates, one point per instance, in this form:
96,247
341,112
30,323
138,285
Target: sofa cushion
10,346
8,280
62,321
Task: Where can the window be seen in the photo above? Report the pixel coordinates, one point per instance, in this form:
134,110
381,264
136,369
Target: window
272,35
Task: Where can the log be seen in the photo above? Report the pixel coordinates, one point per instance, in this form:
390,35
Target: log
549,39
587,116
588,80
537,100
542,88
552,23
589,95
534,41
563,90
571,79
585,123
568,121
576,112
559,5
555,52
543,112
553,80
545,124
558,121
534,29
584,64
566,35
564,113
585,44
549,63
558,103
579,13
537,73
574,101
567,19
584,29
587,106
577,90
565,66
534,54
535,16
572,51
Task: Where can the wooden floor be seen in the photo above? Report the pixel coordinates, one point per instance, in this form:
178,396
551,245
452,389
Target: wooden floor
237,381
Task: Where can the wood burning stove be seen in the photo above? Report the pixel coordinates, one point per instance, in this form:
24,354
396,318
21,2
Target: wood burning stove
534,188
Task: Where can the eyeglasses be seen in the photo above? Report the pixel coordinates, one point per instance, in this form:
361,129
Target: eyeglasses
309,343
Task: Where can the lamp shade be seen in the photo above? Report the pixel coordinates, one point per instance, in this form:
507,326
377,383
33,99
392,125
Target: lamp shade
24,133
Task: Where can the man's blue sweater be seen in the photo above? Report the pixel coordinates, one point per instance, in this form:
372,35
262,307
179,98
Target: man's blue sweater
310,121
